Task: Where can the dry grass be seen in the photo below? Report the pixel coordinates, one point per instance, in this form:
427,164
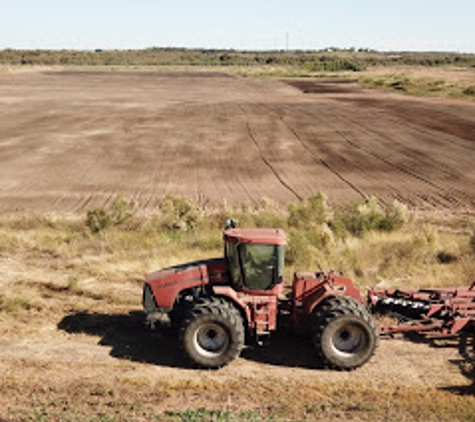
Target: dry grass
423,81
51,392
65,289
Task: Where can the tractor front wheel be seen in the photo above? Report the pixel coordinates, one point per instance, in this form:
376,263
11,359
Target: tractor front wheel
212,333
344,333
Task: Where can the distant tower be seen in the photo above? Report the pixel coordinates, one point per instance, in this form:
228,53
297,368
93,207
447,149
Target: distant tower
287,41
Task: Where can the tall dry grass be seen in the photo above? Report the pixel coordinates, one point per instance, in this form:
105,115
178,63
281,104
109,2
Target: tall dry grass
54,267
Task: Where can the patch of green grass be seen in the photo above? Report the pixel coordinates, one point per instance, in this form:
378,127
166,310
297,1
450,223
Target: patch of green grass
420,86
14,305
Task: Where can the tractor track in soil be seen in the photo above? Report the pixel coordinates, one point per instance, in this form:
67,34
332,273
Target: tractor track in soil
71,140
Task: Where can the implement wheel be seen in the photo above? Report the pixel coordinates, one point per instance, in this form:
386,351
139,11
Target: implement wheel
212,333
344,333
467,346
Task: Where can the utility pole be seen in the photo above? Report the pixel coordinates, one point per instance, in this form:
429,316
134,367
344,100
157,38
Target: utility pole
287,41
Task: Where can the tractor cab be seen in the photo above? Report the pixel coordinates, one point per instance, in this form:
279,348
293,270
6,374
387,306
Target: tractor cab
254,258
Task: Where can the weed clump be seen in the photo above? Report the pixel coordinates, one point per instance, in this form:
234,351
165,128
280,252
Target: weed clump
100,219
308,212
178,213
469,91
14,305
361,217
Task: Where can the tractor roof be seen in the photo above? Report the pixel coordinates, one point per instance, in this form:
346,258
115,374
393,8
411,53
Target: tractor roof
255,236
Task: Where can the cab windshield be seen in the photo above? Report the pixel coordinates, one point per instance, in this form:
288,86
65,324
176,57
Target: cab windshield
255,267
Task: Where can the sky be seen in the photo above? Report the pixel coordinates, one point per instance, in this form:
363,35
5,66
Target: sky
395,25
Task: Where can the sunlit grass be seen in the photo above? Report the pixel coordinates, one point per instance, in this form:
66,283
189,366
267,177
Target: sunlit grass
53,266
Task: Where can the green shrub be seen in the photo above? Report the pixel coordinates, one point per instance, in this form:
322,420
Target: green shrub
308,212
395,217
360,217
332,65
266,214
469,90
122,211
298,252
178,213
100,219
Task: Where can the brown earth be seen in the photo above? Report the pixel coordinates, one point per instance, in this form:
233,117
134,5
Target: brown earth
108,363
71,140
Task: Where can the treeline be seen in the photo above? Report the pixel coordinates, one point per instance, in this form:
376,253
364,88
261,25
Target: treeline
327,60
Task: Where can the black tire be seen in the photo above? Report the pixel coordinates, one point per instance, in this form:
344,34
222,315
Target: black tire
212,333
467,346
344,334
176,316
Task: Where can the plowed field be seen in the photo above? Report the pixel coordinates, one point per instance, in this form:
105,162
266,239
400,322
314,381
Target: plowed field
72,140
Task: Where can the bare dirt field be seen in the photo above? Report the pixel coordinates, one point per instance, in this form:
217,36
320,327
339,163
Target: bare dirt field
71,140
74,347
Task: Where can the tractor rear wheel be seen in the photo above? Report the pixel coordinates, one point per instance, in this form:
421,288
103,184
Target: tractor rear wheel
343,333
211,333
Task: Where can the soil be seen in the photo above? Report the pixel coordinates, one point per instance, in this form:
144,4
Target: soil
73,140
110,350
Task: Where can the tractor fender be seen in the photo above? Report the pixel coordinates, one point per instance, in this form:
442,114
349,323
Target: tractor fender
232,296
336,286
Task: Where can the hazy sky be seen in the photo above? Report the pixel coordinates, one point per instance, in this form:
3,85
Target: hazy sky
436,25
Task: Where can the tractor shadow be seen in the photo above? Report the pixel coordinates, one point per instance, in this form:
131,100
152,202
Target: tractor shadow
126,334
130,338
468,370
285,349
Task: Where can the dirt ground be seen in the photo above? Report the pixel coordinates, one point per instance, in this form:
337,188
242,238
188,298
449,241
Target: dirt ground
92,361
72,140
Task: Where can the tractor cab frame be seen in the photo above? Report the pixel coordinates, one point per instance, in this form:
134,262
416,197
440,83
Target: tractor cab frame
254,258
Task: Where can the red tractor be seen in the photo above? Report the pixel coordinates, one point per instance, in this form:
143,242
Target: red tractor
218,305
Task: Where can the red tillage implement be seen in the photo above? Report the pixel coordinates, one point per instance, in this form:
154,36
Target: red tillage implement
445,312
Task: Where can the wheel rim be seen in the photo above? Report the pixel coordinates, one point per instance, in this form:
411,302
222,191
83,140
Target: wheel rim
211,339
348,339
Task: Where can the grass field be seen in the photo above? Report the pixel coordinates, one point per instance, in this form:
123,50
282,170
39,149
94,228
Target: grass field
74,346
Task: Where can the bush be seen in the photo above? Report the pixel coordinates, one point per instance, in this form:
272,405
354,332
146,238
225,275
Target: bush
99,219
308,212
332,65
268,214
395,217
298,252
360,217
178,213
469,90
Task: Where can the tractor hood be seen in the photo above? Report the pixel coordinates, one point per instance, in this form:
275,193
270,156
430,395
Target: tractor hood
163,287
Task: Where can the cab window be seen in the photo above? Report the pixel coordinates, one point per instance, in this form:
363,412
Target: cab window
261,267
232,260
